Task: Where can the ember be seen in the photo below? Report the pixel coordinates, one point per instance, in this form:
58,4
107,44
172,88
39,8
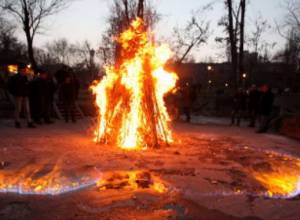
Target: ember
130,98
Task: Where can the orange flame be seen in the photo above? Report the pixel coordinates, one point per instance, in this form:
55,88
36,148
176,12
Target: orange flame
130,98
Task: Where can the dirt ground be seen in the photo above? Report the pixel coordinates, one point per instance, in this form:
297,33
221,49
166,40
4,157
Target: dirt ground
210,172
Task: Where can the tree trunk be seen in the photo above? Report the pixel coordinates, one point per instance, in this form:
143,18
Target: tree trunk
140,12
232,39
29,39
242,33
127,17
31,53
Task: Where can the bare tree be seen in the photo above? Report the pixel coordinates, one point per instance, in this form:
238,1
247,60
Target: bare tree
63,52
59,50
30,15
242,38
234,24
195,33
7,32
289,29
10,47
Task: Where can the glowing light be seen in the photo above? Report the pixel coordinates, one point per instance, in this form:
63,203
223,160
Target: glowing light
35,180
280,184
209,68
130,97
12,69
244,75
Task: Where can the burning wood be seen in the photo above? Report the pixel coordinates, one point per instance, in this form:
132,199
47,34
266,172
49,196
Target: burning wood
130,98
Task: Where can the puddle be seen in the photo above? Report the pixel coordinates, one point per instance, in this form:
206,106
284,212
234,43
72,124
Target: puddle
131,180
45,179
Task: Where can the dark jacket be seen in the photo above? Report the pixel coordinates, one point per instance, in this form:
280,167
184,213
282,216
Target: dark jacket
68,92
240,101
266,103
253,103
18,85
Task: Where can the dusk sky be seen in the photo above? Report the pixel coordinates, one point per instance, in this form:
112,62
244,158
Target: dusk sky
86,20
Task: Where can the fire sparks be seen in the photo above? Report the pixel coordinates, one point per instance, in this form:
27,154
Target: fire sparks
130,98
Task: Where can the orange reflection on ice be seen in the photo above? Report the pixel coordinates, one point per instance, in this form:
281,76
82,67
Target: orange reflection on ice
131,180
280,184
39,179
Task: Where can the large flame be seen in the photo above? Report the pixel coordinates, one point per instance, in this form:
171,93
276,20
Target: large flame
130,98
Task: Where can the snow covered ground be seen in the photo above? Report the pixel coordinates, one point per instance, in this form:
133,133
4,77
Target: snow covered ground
212,171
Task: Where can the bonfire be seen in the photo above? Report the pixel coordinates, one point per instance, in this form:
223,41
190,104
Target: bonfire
130,97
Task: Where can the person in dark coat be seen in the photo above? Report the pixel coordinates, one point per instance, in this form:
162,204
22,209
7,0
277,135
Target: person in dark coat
266,107
18,86
188,97
253,105
35,98
68,94
42,94
239,106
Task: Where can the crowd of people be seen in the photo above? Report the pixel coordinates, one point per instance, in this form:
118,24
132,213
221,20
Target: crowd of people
256,104
253,104
35,97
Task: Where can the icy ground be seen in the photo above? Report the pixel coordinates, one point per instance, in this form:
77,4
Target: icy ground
207,174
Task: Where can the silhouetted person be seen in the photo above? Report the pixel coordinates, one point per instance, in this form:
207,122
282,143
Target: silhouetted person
188,97
18,86
35,98
218,101
239,107
76,85
68,94
253,105
61,74
42,93
266,105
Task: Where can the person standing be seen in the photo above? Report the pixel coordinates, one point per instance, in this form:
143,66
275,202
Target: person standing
68,93
253,105
239,107
188,96
18,86
266,106
43,89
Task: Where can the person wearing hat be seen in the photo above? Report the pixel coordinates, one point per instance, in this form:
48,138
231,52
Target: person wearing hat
18,86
